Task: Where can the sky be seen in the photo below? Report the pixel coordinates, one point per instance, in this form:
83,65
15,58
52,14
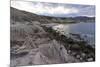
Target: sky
89,2
55,9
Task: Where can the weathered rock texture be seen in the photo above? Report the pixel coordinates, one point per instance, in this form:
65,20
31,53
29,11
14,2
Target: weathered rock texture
31,44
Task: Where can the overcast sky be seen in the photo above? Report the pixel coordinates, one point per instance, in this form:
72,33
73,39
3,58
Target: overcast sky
55,9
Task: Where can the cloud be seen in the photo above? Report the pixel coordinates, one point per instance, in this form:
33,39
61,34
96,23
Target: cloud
22,5
52,9
89,2
40,8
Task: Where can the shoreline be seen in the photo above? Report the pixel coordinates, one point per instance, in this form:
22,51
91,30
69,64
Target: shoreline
77,48
34,42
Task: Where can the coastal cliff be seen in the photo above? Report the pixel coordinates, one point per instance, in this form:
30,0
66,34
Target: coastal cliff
34,43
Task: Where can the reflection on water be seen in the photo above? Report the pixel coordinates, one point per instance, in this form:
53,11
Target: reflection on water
86,30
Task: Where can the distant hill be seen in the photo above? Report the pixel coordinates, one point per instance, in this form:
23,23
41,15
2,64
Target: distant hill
19,15
84,19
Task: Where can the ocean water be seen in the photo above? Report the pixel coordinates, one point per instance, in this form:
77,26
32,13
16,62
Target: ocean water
85,30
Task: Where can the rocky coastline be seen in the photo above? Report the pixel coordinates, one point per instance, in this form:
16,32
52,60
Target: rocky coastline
32,42
75,47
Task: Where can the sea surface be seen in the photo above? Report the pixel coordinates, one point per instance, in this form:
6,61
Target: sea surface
85,30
